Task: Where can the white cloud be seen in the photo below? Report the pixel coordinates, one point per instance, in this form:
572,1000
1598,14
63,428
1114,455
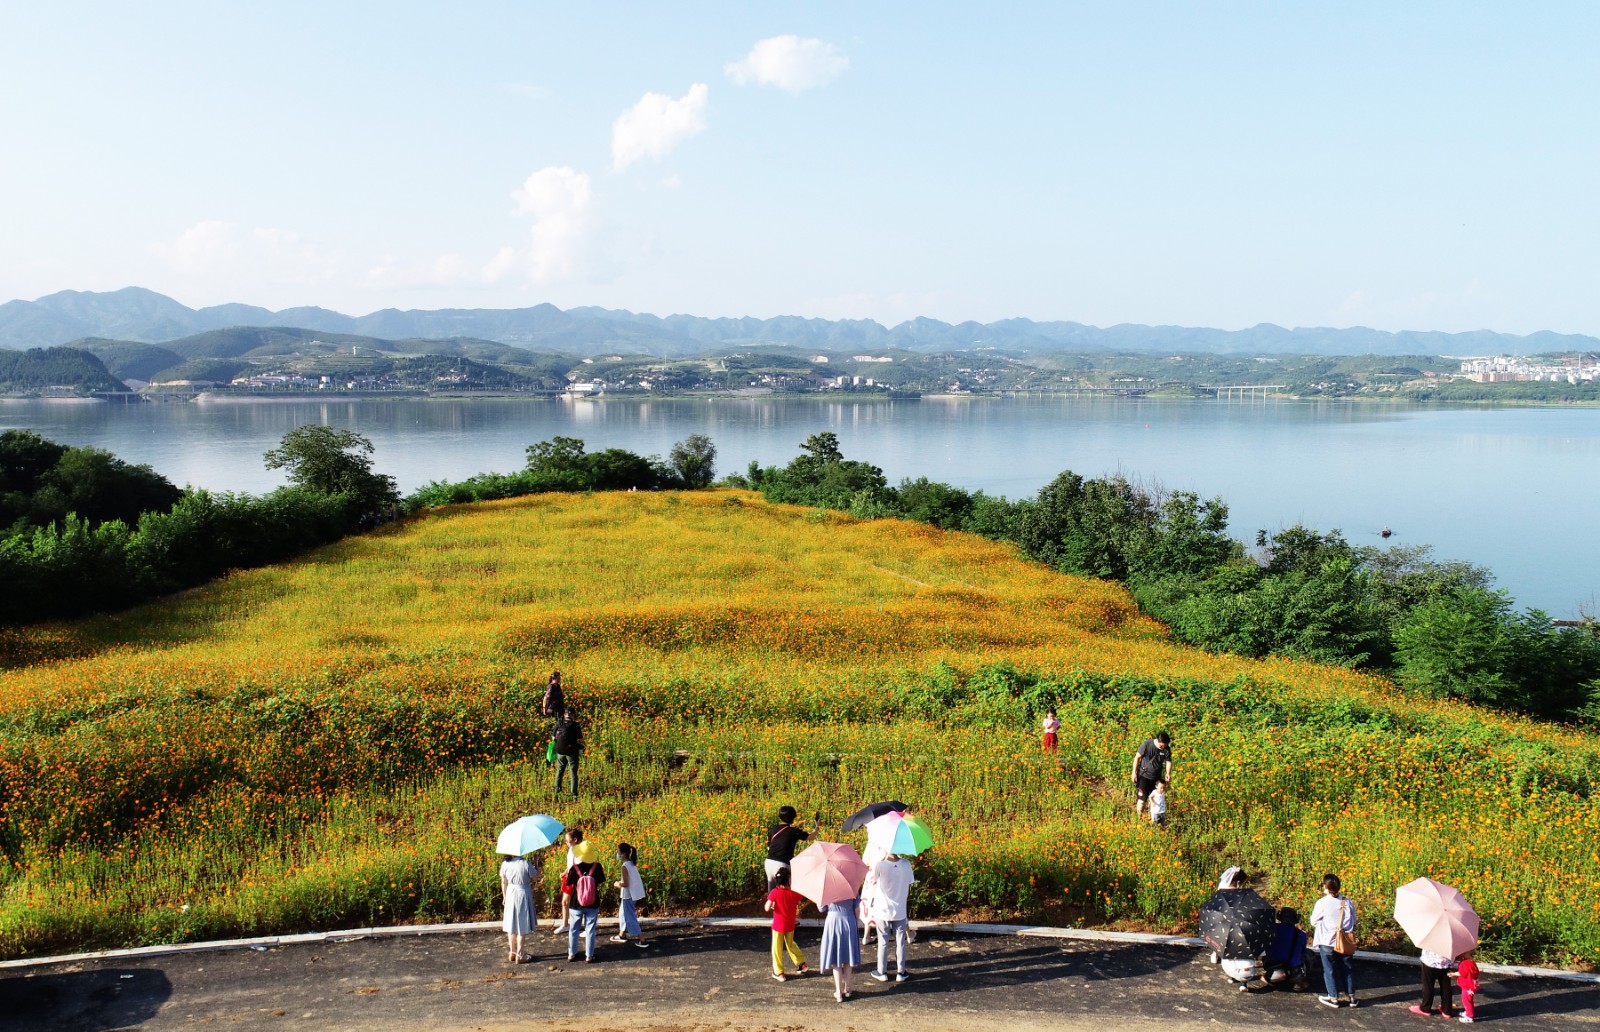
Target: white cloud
212,258
558,198
499,265
789,63
201,247
655,125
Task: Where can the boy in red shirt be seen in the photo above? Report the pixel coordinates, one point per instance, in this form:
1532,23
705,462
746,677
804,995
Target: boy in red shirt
783,903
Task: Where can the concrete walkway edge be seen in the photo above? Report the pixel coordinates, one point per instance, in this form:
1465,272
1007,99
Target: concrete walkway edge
1033,931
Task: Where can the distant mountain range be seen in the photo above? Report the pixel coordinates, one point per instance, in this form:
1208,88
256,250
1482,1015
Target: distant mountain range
136,314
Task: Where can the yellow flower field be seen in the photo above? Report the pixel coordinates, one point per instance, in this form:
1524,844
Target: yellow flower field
335,741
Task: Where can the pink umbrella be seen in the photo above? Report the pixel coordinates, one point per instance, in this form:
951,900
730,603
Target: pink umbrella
1437,917
827,872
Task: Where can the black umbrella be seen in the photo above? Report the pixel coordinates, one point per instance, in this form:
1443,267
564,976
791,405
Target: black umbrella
1238,924
871,812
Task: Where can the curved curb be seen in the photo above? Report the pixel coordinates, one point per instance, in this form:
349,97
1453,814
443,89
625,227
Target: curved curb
1029,931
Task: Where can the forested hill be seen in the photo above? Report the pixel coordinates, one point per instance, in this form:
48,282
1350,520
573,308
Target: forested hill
40,369
136,314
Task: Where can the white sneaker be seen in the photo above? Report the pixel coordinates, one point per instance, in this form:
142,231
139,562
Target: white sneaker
879,978
1327,1001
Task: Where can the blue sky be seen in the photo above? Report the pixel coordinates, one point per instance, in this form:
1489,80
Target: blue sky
1423,166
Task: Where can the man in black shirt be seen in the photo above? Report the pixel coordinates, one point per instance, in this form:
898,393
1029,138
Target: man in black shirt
1152,766
781,840
569,745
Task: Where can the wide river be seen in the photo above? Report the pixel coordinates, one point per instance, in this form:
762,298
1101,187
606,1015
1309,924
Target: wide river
1514,489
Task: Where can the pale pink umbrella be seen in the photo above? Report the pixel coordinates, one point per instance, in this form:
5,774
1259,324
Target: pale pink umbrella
827,872
1437,917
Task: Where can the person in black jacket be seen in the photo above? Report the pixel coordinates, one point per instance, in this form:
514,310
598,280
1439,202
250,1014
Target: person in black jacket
569,745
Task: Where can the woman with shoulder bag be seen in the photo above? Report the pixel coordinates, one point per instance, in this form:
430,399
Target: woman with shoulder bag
1333,926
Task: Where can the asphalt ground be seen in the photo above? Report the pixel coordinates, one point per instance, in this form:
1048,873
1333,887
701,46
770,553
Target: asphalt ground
697,979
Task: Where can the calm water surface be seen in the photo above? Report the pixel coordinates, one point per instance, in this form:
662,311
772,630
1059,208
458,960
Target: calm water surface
1513,489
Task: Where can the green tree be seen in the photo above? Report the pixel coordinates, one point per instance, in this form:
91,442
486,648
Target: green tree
557,458
332,461
823,477
928,501
694,461
100,487
1461,644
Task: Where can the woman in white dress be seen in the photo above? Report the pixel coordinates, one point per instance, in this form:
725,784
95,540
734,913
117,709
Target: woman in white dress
517,875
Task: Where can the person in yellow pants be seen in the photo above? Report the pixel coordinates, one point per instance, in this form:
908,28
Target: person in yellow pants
783,903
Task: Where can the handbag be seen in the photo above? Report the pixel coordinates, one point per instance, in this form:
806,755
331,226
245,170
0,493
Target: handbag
1344,943
550,753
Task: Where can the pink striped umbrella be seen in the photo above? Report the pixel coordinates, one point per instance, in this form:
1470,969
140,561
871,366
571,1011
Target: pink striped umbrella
828,872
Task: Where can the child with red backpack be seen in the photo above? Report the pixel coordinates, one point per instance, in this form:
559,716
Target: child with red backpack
582,883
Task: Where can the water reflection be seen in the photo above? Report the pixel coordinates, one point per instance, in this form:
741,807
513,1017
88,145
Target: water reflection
1510,488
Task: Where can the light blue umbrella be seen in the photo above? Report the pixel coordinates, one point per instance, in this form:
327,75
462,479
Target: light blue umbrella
526,834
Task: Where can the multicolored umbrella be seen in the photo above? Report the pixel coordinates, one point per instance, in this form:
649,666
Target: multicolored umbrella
1238,924
1437,917
867,813
896,833
827,872
527,834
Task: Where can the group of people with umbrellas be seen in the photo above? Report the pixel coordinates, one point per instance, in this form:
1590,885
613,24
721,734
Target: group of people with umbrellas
855,892
860,892
1258,945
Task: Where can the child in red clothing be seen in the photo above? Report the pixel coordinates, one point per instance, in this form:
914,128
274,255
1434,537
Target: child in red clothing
1467,979
783,903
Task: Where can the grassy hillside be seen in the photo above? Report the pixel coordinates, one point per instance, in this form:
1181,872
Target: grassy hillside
336,741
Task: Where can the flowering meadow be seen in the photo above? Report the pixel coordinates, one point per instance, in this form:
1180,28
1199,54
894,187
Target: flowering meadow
335,741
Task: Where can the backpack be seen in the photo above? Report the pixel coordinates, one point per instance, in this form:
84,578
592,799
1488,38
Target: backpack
584,891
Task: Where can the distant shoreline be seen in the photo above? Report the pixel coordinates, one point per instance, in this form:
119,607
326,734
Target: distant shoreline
285,397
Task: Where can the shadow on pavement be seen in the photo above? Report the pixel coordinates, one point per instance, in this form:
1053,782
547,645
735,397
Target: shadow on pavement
82,1001
961,971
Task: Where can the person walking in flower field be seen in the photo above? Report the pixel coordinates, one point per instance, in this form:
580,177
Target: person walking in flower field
555,698
1152,766
568,747
1051,727
1158,804
783,903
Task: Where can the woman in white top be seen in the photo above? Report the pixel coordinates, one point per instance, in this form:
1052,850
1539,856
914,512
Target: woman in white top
517,875
1332,913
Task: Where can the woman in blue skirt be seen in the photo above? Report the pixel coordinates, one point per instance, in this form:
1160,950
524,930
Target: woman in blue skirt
841,946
